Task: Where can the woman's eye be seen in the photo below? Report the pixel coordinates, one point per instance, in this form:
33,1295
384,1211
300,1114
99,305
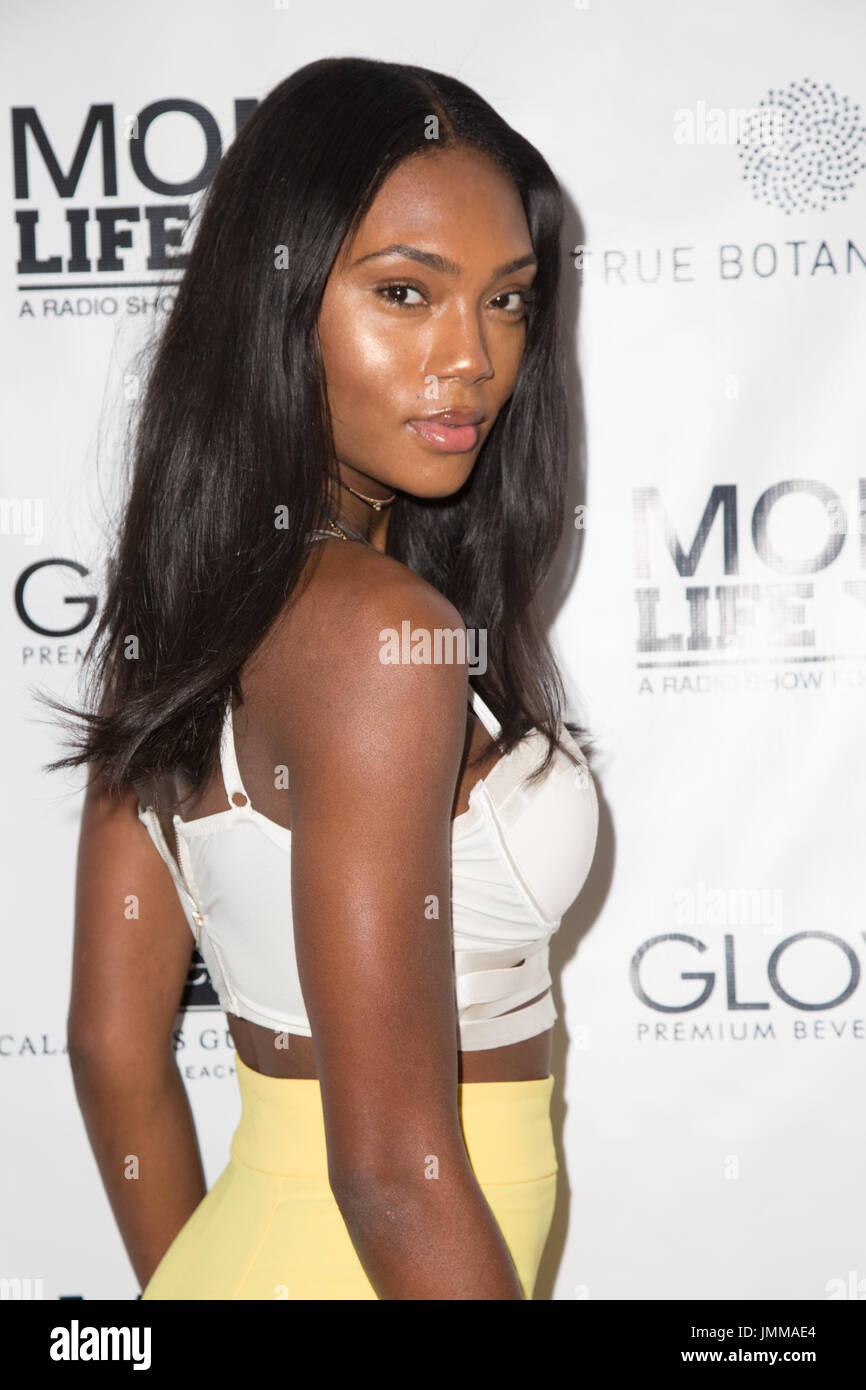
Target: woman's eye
524,299
400,304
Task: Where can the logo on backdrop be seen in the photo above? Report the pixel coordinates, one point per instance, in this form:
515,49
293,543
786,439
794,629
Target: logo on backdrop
801,150
706,985
90,223
769,595
198,992
805,148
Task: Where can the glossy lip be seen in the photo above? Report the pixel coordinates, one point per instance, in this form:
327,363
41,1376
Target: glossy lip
452,417
444,437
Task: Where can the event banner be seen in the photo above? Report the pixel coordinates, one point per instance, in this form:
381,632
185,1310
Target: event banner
707,604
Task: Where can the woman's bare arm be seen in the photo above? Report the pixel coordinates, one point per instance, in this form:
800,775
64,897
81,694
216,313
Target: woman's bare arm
131,957
376,756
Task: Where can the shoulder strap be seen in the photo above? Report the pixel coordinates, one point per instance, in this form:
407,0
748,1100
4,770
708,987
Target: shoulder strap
485,714
229,761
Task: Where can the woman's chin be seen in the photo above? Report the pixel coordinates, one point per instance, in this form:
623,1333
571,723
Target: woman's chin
444,482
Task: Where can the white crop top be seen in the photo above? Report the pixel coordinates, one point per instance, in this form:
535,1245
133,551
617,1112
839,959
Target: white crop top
519,857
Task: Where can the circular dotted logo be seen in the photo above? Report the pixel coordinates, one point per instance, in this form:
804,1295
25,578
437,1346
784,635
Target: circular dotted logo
803,148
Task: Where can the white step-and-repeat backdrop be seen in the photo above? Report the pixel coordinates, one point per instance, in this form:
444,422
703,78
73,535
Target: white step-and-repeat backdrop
709,1055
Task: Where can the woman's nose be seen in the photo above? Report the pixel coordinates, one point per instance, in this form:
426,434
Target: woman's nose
458,346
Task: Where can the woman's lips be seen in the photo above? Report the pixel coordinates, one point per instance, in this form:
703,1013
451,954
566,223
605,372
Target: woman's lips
448,439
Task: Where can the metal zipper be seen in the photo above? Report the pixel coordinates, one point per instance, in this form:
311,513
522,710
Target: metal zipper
221,983
186,873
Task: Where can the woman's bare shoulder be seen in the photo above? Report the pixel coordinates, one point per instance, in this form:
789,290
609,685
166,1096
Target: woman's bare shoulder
362,574
331,653
350,589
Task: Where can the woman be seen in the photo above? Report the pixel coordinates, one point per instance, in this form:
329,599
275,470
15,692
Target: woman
373,853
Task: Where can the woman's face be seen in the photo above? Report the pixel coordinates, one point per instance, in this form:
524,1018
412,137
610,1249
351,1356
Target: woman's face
404,338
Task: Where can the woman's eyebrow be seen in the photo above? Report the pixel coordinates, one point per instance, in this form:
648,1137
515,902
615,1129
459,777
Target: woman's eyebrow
442,263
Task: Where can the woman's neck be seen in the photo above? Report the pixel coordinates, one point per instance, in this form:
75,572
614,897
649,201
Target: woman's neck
358,515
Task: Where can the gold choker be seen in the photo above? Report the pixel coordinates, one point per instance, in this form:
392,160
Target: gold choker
378,504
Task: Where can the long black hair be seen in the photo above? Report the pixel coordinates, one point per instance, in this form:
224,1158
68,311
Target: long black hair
232,453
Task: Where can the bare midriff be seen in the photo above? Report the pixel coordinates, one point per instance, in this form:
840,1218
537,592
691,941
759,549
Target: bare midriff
522,1061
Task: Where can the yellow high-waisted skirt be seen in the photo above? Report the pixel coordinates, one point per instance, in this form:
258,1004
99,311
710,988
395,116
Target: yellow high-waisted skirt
270,1226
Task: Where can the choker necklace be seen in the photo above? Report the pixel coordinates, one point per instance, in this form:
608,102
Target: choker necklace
376,503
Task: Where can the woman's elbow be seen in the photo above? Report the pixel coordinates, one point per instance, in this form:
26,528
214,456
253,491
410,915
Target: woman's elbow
363,1188
105,1047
